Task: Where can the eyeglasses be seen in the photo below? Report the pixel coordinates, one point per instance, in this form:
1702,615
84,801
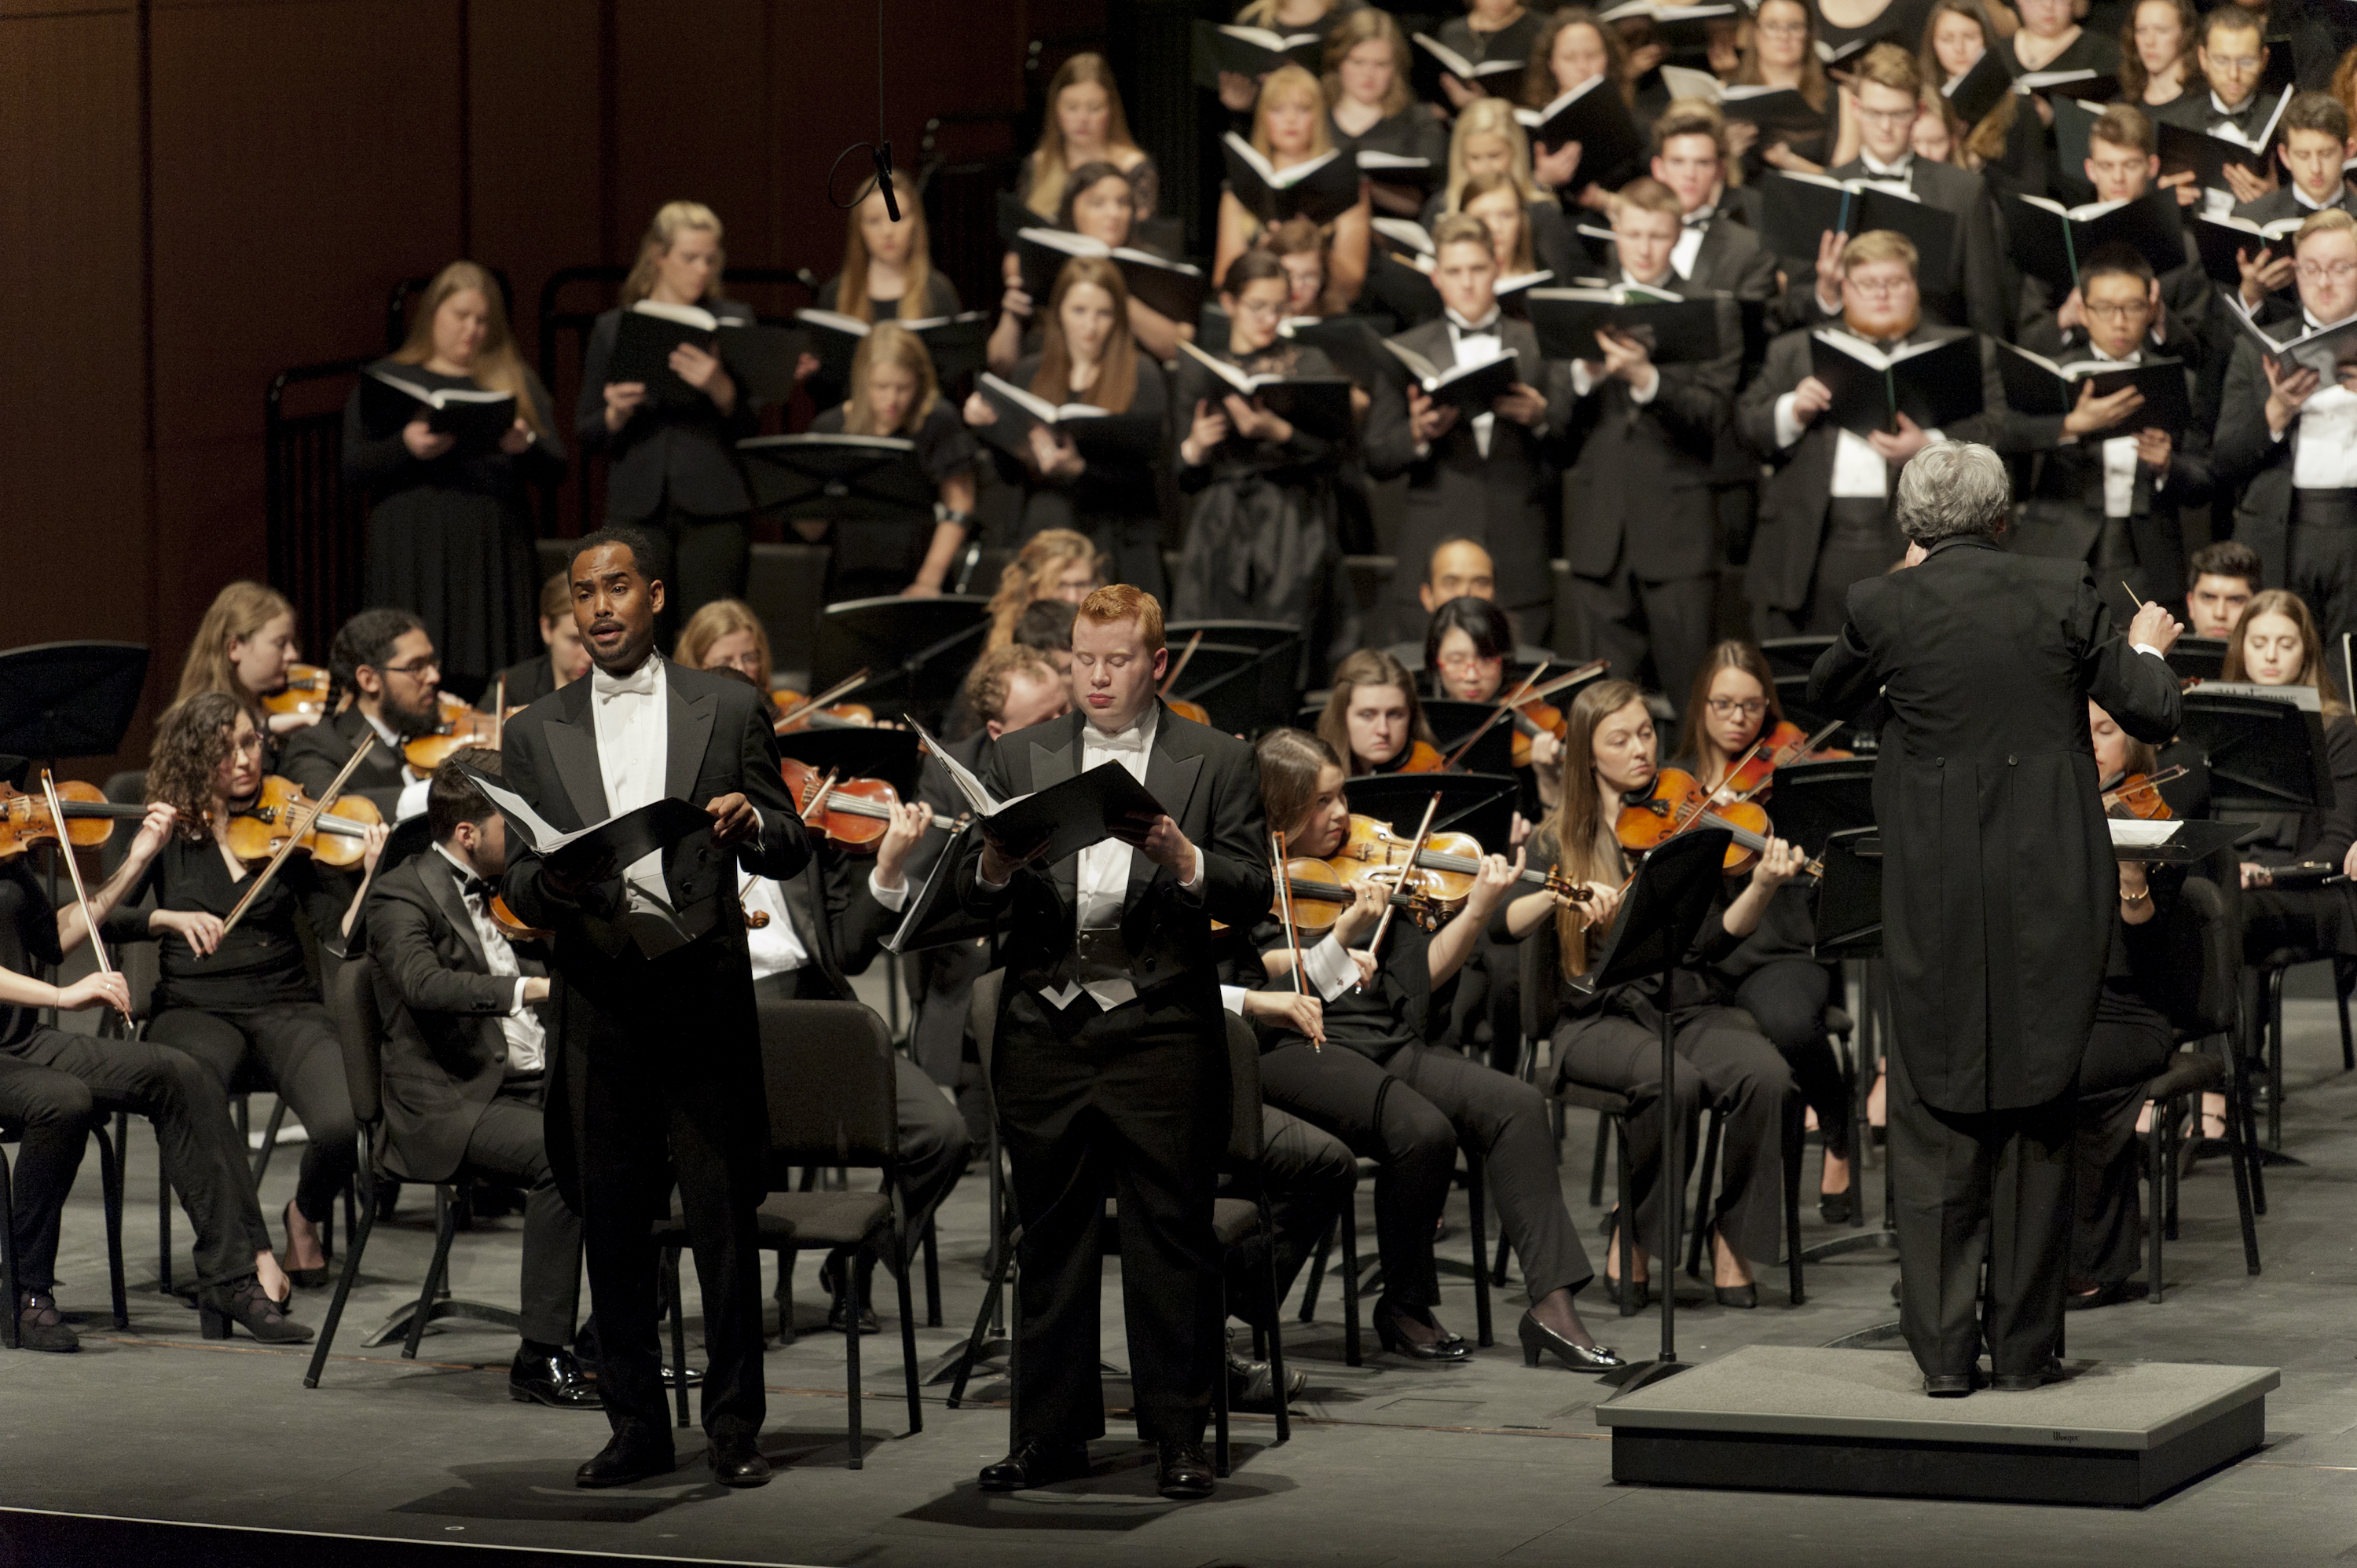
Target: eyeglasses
1458,664
1783,29
416,669
2316,272
2117,312
244,744
1258,308
1879,289
1738,707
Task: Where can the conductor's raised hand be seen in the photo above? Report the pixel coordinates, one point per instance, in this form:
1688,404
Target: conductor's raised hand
734,819
1160,840
424,442
2154,626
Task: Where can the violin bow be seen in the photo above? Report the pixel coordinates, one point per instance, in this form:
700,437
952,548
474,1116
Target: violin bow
809,704
1497,713
500,712
1178,668
1284,913
1407,874
1781,758
300,824
73,867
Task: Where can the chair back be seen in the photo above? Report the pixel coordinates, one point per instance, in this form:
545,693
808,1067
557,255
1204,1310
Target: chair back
1541,974
827,1067
351,997
1244,1094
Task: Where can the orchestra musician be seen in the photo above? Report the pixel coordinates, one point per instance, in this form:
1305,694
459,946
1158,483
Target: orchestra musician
1373,719
384,662
2275,643
1054,564
563,657
245,646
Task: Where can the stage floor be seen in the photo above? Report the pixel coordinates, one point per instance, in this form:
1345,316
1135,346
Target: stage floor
1389,1463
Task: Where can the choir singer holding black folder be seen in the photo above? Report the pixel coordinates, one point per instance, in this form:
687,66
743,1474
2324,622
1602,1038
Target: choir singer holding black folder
1109,1061
656,1066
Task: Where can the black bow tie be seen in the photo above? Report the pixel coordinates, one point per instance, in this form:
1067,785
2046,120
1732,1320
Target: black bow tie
1698,217
475,888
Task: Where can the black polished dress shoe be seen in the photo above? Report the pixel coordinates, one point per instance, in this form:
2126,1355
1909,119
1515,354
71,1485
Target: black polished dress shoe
41,1327
830,1279
1949,1385
1036,1464
2022,1383
2109,1293
1390,1316
555,1380
241,1302
737,1462
629,1457
1538,1340
1250,1384
1185,1471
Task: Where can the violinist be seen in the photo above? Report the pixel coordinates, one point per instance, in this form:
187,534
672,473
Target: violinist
245,646
565,658
1614,1038
1460,567
52,1080
1373,718
895,393
1465,654
727,633
466,1058
1771,974
1380,1088
243,997
385,662
2276,644
2222,576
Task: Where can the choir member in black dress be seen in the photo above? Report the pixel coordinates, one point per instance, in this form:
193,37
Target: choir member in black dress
1369,107
1569,48
2011,154
671,467
53,1083
2156,64
1377,1085
1614,1038
893,393
2051,38
1289,127
1372,720
1100,203
1488,140
1489,30
244,999
1084,125
1060,564
1772,975
1841,22
887,267
1087,355
1783,53
2276,644
245,646
1237,92
450,534
1494,202
563,657
1260,531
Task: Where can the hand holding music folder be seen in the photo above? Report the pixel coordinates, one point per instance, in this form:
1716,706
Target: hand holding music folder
620,841
1063,818
1935,384
475,418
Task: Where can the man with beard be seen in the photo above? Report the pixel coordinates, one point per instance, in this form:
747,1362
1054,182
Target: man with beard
386,661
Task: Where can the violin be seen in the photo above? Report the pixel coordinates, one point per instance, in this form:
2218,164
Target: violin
1677,802
854,812
258,828
1315,895
797,711
1422,756
1180,705
2137,796
514,930
1444,867
25,820
305,693
1786,743
472,728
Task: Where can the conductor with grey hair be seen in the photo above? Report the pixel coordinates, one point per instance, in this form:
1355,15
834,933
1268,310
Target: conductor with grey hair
1999,895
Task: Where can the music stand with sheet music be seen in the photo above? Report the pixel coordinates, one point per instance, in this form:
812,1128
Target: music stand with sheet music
2264,755
842,479
2199,658
1652,937
915,652
1815,801
69,699
856,751
1481,804
1452,722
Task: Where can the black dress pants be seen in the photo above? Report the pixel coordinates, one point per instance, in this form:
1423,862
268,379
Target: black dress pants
1630,618
510,1139
1308,1175
2129,1047
1786,997
1129,1104
1993,1184
297,1048
58,1084
2323,565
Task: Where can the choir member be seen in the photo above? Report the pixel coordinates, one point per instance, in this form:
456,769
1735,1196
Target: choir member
1825,512
1303,247
1954,38
2312,142
1717,250
1369,107
2223,575
54,1082
1372,720
1380,1088
671,466
1613,1038
1497,202
1260,541
1084,125
1100,202
243,1000
727,633
1087,355
563,657
1843,22
1639,514
1237,92
1939,134
1783,53
1771,974
1058,564
449,533
2156,64
2050,38
1487,141
2123,160
894,394
2287,443
1569,48
1489,30
1289,127
2275,643
2232,55
889,263
244,645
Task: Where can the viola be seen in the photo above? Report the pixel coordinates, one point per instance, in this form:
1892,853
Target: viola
25,820
305,693
1785,744
854,812
1444,867
1677,803
259,828
2139,796
797,711
472,728
514,930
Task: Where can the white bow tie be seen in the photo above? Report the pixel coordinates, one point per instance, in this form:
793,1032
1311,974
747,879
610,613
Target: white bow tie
1131,739
640,682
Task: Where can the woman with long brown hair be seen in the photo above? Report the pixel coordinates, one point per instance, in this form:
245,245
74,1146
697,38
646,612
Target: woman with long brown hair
1571,46
1612,1039
1084,125
1783,52
1373,718
2275,643
1106,492
1954,38
2157,62
671,465
1058,564
1100,203
893,393
1289,127
450,532
244,647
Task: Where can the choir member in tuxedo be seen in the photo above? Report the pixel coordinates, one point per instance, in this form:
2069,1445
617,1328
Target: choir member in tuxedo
2123,161
1783,53
1715,250
1479,476
1771,974
563,657
2312,144
1382,1089
450,534
2275,643
2221,578
1369,107
1260,538
1088,355
1489,30
1637,504
1569,48
385,661
2004,141
1372,719
2050,38
1084,125
1110,1058
671,467
1987,660
1459,568
2157,67
245,646
2116,504
1100,203
2232,55
244,1000
466,1057
648,956
1614,1037
1977,289
53,1083
1289,127
2287,443
1825,512
895,393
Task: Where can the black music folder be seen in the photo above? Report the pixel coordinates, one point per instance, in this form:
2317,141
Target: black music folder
1091,428
627,836
1253,51
2223,242
955,342
1432,58
2035,384
2051,242
758,356
1935,384
1319,405
1796,208
1320,189
1174,288
1611,148
2206,155
476,417
1063,818
1980,89
1471,387
1674,330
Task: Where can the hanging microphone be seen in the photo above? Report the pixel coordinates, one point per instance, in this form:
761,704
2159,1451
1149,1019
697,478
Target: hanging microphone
883,155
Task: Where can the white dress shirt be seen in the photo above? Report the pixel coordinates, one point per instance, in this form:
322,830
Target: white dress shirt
777,948
527,1037
1691,229
631,717
2326,458
1476,343
1860,472
412,802
1583,382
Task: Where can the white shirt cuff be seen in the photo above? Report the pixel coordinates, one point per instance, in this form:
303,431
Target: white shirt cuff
515,1008
2148,648
1195,881
982,879
1582,382
1789,429
1330,969
893,899
1651,388
1232,999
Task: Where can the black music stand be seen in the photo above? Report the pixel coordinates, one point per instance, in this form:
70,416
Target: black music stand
1652,937
915,651
1794,655
2201,658
1849,925
2264,755
1815,801
1481,804
857,752
69,699
1254,633
1245,688
842,479
1451,722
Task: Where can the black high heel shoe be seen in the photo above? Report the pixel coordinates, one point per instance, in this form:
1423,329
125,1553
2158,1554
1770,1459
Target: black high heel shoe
241,1302
1539,1339
306,1279
1743,1297
1388,1317
1834,1207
